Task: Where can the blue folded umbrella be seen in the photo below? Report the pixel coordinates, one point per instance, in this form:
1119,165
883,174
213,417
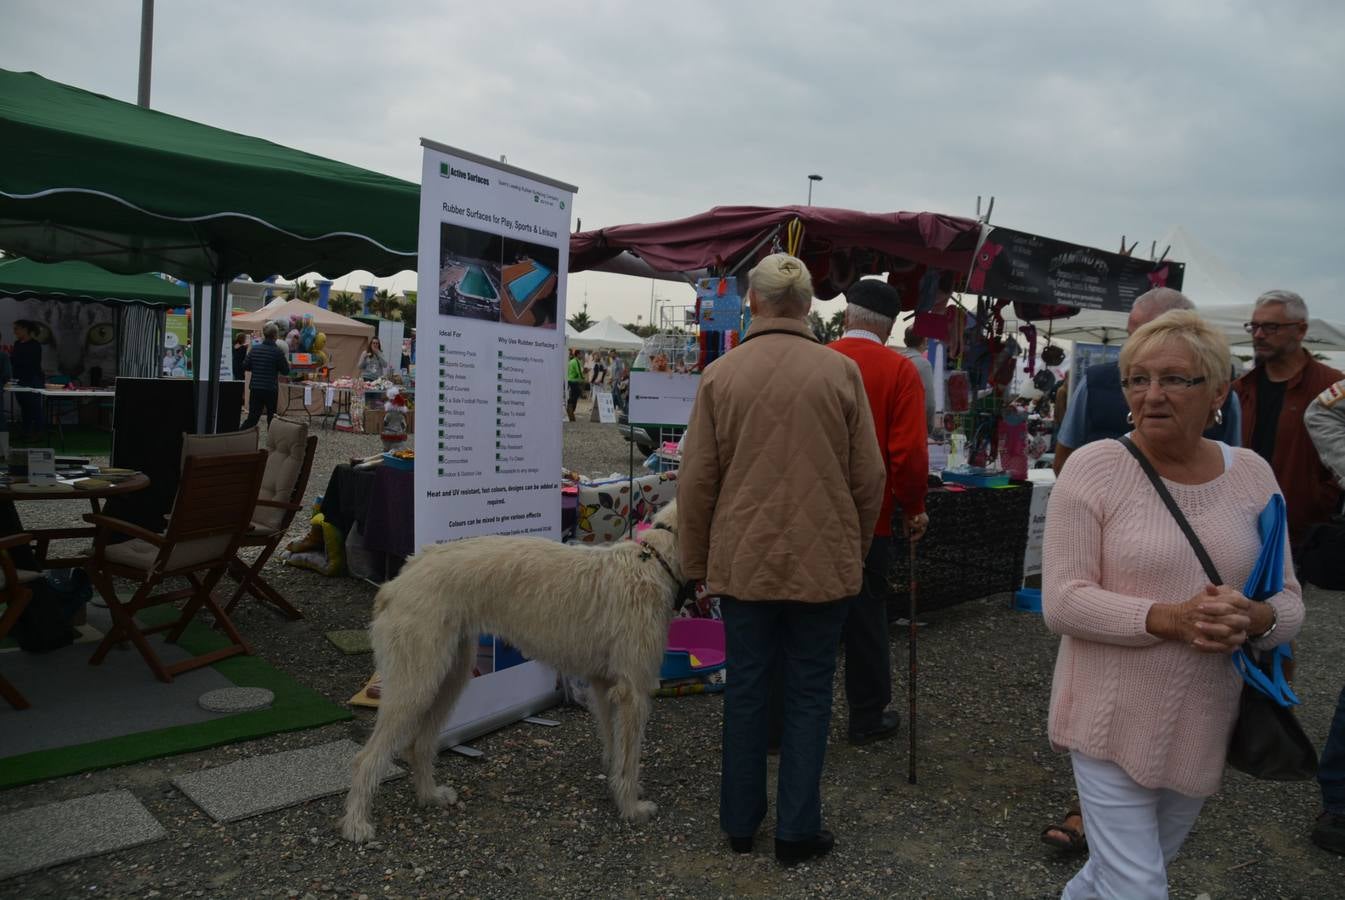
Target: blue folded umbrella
1267,580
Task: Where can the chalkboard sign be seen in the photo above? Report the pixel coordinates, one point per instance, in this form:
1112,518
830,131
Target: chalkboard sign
1024,268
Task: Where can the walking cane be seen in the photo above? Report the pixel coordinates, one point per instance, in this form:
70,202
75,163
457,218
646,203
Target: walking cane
910,680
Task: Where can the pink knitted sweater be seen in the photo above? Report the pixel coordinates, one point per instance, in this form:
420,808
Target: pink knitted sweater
1159,709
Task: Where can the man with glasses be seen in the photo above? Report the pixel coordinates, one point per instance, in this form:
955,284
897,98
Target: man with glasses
1274,396
1096,409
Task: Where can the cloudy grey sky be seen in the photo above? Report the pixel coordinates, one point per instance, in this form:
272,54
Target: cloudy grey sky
1085,120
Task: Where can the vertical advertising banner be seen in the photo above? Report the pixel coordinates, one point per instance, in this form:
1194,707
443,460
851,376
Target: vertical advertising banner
493,259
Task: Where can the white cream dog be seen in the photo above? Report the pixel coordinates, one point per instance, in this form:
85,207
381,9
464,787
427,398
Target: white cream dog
598,613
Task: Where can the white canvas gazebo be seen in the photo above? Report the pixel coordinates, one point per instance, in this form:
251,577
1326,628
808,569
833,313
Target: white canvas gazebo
605,335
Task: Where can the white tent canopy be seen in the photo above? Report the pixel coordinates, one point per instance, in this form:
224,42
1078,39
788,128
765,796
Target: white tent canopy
606,335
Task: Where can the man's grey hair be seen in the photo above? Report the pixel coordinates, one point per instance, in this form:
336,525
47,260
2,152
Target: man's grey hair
1294,307
1163,299
270,331
866,319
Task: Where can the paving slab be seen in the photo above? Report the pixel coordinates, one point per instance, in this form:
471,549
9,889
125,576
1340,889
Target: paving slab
352,641
56,833
264,784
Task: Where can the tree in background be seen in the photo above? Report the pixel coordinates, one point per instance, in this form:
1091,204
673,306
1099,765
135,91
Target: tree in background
344,303
408,309
580,321
303,290
829,330
385,304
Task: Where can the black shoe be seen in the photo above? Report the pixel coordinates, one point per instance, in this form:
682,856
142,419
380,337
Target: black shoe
888,725
1329,832
741,844
791,853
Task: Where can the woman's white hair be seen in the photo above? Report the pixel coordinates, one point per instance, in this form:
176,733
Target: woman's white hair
1294,307
782,284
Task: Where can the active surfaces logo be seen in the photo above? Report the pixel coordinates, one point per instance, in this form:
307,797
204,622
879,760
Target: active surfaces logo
449,171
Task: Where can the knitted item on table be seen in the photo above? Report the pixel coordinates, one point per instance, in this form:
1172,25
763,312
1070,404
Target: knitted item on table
1159,709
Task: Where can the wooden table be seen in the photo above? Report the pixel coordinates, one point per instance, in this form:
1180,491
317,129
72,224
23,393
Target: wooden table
44,536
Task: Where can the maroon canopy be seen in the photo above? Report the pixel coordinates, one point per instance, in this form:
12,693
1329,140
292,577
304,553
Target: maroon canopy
833,239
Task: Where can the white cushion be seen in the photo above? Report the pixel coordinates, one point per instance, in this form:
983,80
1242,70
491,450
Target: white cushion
138,554
219,444
286,443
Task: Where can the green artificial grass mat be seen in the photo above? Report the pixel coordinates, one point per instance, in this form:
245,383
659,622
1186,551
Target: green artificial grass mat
295,708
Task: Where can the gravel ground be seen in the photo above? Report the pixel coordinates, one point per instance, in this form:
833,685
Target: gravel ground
536,819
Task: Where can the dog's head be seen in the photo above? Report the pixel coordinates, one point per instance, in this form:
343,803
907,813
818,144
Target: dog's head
662,536
666,519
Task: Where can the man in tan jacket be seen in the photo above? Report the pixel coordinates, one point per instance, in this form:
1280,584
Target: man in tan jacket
780,487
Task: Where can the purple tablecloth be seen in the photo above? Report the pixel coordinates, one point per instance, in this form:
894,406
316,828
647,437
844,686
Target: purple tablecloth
390,523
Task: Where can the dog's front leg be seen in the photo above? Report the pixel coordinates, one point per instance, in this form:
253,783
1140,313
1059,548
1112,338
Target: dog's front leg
630,712
600,705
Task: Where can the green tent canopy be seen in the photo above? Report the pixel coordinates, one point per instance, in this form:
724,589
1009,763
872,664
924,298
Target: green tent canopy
23,278
85,176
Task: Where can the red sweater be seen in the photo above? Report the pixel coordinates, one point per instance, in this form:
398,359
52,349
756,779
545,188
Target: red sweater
897,399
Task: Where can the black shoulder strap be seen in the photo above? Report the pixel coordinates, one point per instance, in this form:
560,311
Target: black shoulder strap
1206,563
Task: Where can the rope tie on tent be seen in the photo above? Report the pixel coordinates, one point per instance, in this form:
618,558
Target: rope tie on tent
794,236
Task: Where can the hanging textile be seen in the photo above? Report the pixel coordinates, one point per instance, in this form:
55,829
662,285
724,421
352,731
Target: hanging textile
140,341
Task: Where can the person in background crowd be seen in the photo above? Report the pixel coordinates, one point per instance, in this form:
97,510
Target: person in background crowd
1325,422
620,378
574,379
26,362
6,373
1097,408
1144,637
915,352
599,370
778,493
1275,395
267,362
240,353
898,404
371,363
405,362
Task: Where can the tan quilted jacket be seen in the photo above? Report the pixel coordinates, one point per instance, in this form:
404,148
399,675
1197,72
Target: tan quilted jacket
781,478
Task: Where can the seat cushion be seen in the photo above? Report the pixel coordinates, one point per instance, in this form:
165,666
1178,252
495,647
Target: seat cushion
138,554
286,442
219,444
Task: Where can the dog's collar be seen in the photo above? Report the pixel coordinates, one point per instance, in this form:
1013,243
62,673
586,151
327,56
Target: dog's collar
648,550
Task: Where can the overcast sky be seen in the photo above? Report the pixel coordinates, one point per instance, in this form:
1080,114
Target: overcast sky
1226,118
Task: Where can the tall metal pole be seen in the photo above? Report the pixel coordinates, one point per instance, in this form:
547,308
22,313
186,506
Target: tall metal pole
811,179
146,50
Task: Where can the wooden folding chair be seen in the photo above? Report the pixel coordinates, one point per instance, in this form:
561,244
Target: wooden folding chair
15,596
215,499
271,521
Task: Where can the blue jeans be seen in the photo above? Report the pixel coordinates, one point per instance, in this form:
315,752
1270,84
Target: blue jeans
1331,769
805,637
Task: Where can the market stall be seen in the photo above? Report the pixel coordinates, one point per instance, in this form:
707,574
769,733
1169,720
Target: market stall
959,279
94,324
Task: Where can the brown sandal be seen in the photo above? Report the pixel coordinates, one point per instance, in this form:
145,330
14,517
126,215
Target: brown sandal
1068,840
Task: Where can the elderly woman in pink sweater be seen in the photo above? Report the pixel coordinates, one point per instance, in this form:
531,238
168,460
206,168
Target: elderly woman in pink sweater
1145,696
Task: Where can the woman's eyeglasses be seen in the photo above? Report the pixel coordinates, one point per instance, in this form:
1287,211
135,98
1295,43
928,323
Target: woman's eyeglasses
1267,327
1140,383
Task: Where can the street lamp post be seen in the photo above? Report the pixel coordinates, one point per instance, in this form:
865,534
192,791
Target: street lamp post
811,179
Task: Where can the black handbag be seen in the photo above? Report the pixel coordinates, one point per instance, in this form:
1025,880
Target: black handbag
1267,741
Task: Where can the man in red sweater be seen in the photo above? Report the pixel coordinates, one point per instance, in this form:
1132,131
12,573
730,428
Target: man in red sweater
897,398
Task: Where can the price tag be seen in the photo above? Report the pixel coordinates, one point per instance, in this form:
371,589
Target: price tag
331,397
308,395
42,466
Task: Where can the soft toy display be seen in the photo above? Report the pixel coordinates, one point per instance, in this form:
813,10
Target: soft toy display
302,336
394,420
322,550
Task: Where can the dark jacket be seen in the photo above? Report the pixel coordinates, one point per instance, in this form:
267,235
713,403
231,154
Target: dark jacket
266,362
1105,416
240,360
26,358
1310,493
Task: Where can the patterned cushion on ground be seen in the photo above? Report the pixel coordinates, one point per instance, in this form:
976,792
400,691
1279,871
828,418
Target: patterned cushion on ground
286,442
605,505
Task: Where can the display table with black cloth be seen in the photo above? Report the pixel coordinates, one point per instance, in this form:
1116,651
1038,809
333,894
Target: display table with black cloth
974,547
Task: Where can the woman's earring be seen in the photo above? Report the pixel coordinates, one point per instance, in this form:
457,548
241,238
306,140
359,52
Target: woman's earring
1130,418
1218,417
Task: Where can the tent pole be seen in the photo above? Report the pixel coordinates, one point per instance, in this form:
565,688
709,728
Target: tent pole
146,51
209,315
